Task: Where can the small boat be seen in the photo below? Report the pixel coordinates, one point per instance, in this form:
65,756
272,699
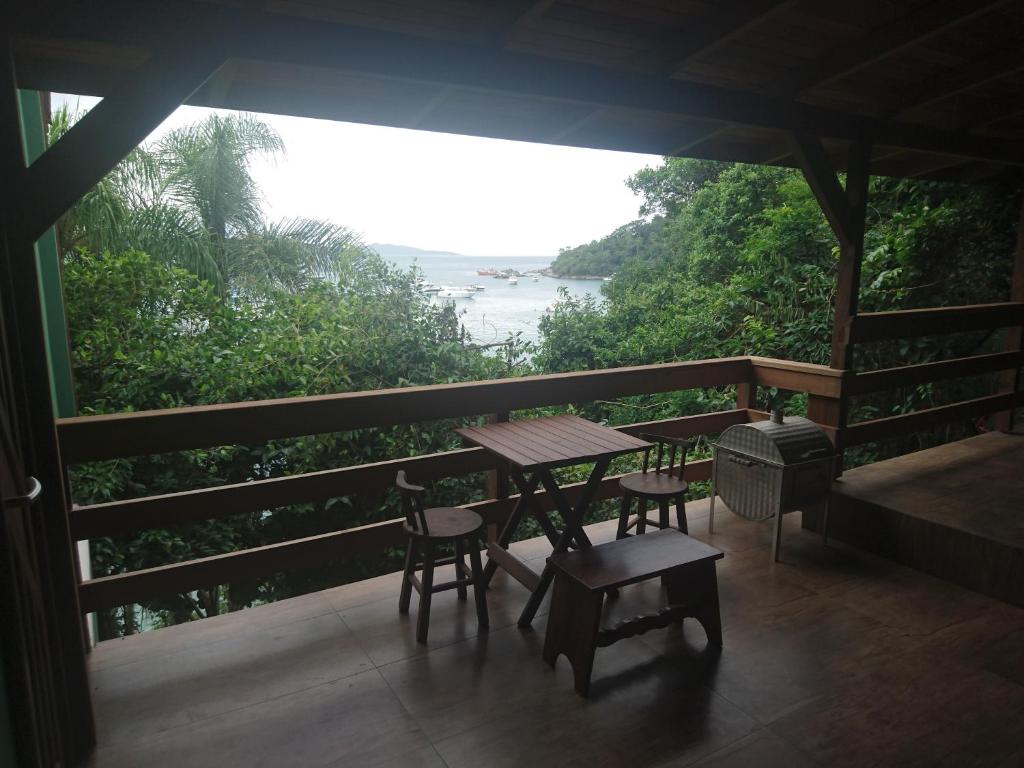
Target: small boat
428,288
455,293
501,275
608,279
476,287
489,272
535,278
513,280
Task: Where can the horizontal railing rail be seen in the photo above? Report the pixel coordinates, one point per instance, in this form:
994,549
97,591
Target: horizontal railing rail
910,323
927,373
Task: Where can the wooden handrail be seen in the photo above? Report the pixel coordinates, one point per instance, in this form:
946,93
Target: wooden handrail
798,377
123,435
223,501
910,323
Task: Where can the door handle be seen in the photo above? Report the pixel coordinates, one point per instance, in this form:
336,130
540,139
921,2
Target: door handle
34,489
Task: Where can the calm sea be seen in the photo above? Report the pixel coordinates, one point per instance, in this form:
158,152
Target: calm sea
500,309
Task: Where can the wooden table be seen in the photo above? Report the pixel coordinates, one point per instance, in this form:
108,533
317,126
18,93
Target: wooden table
533,448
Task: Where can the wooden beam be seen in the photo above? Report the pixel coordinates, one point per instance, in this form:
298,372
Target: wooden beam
734,20
393,56
108,132
821,177
797,377
949,83
912,323
891,426
1010,381
927,21
94,438
925,373
168,509
696,138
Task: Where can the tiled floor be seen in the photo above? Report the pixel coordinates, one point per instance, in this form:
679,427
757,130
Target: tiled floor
831,657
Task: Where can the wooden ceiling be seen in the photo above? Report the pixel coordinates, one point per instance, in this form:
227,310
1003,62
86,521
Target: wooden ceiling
938,87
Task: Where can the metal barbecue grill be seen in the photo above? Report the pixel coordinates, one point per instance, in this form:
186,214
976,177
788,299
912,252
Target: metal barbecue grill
767,468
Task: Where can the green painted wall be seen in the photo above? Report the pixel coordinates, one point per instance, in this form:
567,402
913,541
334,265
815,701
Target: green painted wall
48,259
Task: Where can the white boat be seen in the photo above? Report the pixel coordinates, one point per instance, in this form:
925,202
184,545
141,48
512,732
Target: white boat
608,279
513,280
476,287
429,288
535,278
455,293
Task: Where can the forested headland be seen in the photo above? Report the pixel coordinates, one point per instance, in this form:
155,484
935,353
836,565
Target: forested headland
180,292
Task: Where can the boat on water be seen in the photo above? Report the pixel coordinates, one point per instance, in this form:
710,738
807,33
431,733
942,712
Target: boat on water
534,276
428,287
608,279
449,292
476,287
513,280
489,272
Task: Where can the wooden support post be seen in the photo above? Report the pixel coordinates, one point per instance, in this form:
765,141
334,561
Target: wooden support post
1010,381
846,212
746,395
497,479
57,672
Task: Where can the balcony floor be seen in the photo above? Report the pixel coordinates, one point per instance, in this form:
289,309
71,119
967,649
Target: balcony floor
832,657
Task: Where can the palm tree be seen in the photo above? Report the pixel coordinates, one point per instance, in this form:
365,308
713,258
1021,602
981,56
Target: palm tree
191,201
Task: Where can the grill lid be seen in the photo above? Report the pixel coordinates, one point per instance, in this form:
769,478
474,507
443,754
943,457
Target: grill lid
791,441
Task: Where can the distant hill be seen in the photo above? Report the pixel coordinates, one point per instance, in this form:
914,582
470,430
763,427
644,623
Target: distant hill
389,249
636,240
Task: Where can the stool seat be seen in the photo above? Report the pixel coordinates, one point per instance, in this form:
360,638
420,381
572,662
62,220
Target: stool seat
653,485
447,523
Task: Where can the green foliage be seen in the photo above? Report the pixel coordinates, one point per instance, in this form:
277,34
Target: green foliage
147,335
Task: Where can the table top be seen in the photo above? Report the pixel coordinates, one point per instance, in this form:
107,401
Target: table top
640,557
552,441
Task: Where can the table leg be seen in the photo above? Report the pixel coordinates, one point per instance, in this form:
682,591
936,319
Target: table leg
573,530
530,504
527,486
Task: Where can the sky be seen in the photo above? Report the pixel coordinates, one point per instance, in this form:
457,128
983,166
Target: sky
438,191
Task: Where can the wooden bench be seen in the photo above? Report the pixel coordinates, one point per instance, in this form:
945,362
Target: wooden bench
582,577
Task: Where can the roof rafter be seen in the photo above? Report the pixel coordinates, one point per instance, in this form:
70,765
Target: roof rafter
929,20
729,24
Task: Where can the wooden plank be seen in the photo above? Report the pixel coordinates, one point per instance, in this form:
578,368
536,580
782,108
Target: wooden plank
168,509
115,126
515,567
121,589
890,426
727,24
909,323
909,375
927,21
94,438
798,377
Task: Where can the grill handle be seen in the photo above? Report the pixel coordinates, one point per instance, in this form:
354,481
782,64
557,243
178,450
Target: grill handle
742,462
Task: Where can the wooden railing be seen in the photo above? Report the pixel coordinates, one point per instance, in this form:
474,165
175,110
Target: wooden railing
95,438
884,326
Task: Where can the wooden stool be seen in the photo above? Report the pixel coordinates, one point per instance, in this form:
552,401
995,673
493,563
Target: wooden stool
429,530
660,486
686,567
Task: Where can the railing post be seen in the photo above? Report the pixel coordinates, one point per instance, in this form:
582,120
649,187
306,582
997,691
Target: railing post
746,395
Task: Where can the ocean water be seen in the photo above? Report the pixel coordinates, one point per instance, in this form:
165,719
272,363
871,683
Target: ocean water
500,309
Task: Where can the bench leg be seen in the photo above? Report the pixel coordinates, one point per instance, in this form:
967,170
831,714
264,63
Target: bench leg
697,588
573,624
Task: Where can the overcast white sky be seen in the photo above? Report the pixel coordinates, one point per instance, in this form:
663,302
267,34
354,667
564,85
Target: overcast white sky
481,197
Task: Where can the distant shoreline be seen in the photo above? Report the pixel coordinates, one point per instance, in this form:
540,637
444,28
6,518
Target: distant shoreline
548,272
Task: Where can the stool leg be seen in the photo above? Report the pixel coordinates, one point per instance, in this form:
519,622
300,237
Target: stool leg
410,567
460,567
624,515
479,589
681,514
641,515
427,582
663,513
